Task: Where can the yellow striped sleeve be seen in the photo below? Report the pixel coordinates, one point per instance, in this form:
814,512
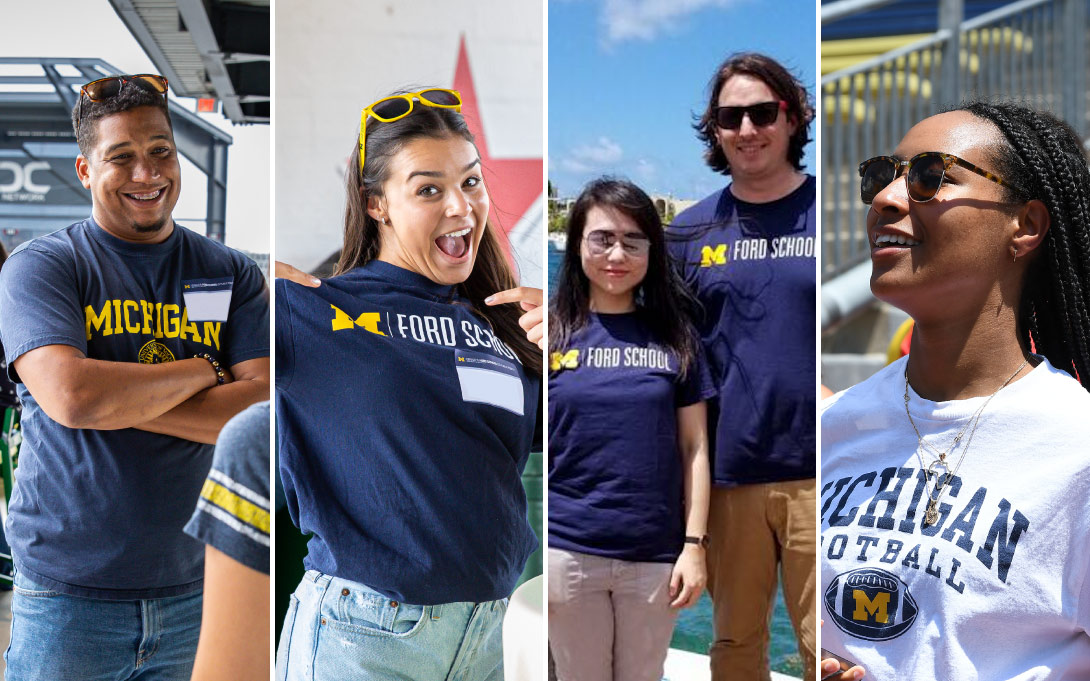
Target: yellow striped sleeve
240,508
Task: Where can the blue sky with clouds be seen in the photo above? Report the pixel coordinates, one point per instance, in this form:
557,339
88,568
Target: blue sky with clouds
626,76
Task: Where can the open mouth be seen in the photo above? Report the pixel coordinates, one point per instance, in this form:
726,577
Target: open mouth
146,197
894,241
455,244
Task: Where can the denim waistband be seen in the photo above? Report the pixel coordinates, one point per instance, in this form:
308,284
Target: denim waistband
325,581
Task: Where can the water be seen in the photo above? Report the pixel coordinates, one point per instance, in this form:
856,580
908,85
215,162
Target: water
694,626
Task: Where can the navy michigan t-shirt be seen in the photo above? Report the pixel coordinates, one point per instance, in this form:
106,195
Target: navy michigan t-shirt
615,470
752,267
404,425
99,513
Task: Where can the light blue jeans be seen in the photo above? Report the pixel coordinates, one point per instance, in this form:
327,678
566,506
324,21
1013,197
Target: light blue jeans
337,630
56,636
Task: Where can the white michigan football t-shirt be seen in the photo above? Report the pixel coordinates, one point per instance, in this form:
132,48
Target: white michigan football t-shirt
998,588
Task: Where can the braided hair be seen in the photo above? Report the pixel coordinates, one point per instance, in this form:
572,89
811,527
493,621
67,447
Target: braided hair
1045,159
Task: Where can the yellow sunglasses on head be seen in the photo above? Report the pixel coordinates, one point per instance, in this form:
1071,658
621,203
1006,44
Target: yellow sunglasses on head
396,107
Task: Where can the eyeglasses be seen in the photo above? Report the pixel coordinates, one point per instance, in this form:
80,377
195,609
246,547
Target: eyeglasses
396,107
760,115
600,242
924,175
111,86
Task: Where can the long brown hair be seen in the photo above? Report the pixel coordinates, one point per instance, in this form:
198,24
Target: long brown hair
362,240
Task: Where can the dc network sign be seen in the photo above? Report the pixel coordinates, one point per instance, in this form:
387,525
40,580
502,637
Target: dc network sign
21,186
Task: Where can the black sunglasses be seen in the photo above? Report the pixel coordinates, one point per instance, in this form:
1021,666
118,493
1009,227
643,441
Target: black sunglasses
924,174
111,86
760,115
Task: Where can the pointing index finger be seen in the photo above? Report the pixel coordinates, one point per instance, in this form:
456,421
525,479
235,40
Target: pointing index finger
520,294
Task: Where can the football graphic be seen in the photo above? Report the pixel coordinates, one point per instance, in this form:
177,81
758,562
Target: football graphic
870,604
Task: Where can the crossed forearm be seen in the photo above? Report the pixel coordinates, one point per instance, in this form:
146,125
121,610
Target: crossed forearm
79,392
201,417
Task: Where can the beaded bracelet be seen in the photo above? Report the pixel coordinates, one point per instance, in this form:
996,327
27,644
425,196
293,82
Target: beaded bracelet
221,377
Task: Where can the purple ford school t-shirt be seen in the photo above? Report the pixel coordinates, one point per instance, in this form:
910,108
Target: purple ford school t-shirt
752,267
404,426
615,470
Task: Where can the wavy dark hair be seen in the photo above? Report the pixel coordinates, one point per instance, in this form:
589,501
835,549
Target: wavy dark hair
362,239
785,86
662,299
1044,158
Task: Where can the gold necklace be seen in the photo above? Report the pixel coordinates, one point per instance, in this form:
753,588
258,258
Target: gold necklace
935,492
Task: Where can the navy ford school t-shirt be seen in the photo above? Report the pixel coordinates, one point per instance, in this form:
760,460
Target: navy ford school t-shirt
404,426
99,513
752,267
615,471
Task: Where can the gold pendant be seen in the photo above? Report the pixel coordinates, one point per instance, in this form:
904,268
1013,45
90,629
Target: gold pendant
932,516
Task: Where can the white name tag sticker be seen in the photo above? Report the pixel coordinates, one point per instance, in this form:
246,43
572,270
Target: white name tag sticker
489,380
208,300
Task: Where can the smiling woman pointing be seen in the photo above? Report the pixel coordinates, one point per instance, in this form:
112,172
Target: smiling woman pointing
407,396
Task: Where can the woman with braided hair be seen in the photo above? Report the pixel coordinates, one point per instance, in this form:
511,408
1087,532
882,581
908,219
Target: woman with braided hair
956,502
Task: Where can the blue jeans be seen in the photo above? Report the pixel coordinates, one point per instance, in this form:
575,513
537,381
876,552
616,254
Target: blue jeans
337,630
56,636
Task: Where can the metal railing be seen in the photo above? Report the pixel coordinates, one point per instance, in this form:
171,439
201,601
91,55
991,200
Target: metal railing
1031,51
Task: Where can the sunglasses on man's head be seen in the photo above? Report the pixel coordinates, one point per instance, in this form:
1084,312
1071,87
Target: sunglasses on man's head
600,242
396,107
760,115
111,86
924,174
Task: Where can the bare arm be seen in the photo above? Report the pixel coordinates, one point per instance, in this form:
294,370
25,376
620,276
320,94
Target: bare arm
690,573
202,416
234,643
79,392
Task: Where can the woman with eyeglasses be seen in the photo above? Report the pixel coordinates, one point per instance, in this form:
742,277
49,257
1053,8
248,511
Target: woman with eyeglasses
628,454
407,395
956,501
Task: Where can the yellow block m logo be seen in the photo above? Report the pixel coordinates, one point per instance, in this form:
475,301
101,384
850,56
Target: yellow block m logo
713,256
367,320
564,360
866,608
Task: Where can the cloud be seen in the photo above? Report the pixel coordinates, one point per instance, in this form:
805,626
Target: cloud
644,170
592,157
647,19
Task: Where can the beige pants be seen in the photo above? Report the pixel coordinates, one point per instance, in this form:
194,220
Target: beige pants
757,530
609,620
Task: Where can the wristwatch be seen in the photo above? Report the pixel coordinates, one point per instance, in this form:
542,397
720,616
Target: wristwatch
702,541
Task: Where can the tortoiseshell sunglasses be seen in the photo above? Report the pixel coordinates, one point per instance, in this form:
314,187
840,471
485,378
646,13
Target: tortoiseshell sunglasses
111,86
924,175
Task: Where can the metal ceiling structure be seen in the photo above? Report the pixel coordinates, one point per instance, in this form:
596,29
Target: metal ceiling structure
208,48
39,190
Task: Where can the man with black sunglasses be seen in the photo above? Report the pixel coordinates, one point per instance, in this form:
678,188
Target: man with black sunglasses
133,340
748,252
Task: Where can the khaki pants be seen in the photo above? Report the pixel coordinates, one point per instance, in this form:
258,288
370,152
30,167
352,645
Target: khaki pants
609,620
756,530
